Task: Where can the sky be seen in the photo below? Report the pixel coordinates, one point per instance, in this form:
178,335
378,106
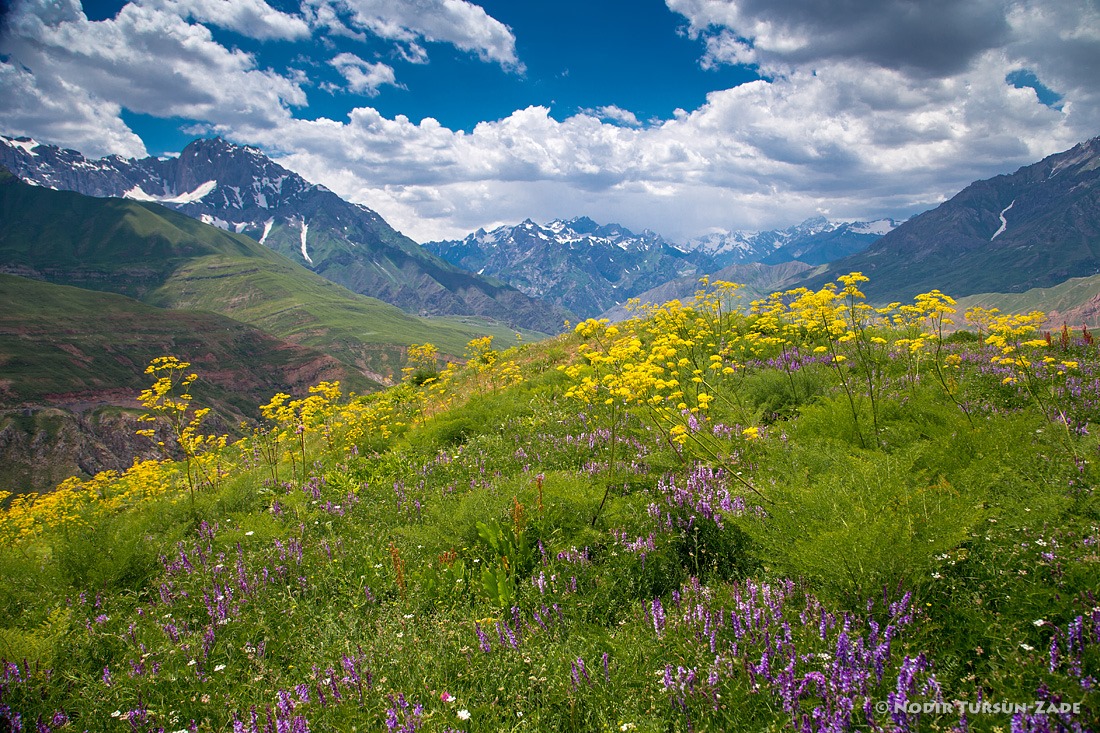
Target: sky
685,117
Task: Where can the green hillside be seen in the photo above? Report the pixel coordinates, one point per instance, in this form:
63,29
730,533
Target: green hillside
72,359
816,518
58,340
286,300
1065,298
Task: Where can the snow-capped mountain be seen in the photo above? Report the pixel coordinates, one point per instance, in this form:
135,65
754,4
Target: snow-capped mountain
579,264
589,268
815,241
240,189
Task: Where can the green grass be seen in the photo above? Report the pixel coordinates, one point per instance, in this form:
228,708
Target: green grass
295,305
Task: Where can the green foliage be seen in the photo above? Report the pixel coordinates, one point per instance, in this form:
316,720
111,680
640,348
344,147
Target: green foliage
855,524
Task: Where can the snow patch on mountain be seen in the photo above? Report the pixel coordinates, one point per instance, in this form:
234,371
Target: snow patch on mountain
880,227
215,221
27,144
1004,221
267,230
305,253
138,194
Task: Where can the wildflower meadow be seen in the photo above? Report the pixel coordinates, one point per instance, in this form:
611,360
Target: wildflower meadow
803,513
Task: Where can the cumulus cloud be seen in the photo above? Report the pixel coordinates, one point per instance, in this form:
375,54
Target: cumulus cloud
461,23
857,141
252,18
616,114
362,76
145,59
58,112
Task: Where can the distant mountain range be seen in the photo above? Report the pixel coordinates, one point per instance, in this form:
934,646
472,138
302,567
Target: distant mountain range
815,241
1025,241
240,190
591,268
577,264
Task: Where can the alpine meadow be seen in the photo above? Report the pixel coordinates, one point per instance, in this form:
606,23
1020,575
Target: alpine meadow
549,366
802,513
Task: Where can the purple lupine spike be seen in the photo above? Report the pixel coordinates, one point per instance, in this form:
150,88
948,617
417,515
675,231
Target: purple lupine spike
285,704
483,640
658,616
302,691
334,687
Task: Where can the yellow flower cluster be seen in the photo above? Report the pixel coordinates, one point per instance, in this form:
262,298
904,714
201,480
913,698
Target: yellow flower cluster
80,502
685,358
293,426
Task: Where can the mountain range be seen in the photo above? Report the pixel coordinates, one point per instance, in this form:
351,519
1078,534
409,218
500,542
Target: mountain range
1029,240
815,241
224,258
591,268
579,264
239,189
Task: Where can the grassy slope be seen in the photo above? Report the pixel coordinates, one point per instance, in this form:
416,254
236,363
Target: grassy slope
67,355
57,340
1065,297
284,299
990,521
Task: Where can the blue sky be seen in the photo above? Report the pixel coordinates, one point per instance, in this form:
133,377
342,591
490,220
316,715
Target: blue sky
576,55
683,116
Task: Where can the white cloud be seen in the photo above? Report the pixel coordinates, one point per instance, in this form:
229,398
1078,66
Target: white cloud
857,140
146,60
461,23
614,113
54,111
252,18
362,76
932,37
